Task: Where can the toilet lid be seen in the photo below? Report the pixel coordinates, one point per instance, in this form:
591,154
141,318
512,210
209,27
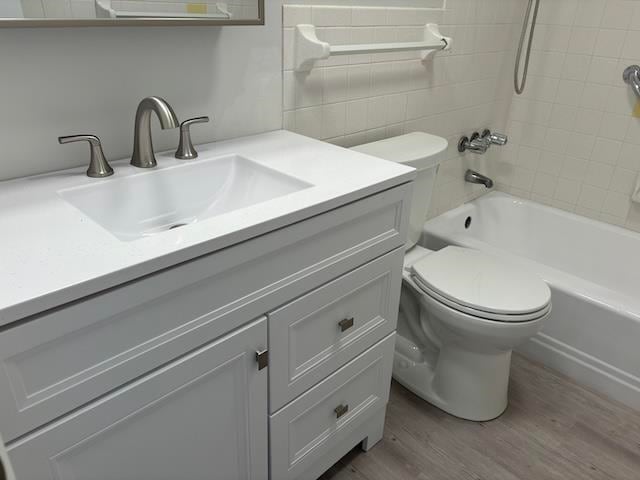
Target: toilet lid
483,282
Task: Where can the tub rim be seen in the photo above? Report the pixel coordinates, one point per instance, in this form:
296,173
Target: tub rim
562,280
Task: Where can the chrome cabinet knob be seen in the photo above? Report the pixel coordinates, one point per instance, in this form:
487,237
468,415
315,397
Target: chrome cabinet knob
98,165
186,151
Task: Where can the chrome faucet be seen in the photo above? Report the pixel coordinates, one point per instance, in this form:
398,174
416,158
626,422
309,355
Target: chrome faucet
475,144
481,143
475,177
493,138
143,156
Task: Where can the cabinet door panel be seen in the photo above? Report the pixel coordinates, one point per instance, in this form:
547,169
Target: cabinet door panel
203,416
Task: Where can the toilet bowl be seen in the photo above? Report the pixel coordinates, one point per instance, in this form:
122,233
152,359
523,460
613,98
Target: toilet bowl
462,311
458,356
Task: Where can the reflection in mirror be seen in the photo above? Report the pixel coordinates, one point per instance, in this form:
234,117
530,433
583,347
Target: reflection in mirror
227,10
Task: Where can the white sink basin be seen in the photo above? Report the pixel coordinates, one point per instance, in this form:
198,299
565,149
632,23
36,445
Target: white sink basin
160,200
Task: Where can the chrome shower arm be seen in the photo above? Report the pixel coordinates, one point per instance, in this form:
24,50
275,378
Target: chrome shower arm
631,76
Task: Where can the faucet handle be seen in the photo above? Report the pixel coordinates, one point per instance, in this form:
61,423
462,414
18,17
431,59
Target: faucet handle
98,166
475,144
479,145
495,138
186,151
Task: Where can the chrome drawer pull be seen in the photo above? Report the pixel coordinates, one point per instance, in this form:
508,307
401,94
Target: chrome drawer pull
341,410
262,357
345,324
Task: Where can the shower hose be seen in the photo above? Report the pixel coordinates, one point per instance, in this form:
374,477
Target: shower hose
518,83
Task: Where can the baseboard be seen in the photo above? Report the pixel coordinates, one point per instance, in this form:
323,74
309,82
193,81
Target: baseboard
584,369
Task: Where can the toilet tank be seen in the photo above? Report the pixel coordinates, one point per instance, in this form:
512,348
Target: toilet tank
422,151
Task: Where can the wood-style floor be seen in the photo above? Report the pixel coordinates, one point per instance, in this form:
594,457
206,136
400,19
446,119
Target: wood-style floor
553,429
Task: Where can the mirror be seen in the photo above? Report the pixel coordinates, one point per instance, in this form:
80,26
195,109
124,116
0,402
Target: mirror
83,13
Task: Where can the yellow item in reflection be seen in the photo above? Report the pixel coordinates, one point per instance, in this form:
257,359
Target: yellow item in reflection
636,109
196,8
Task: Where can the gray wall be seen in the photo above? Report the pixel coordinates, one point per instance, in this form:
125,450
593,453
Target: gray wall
89,80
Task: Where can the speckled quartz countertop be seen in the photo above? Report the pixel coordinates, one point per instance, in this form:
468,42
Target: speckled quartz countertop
52,253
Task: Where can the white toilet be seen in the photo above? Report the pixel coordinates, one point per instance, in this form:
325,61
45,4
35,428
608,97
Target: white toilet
462,311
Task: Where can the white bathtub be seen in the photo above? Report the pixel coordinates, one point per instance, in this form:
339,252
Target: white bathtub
593,333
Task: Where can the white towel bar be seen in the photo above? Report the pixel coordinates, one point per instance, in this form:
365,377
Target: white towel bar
309,49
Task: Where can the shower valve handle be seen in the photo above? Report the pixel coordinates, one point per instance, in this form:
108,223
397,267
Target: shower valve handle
495,138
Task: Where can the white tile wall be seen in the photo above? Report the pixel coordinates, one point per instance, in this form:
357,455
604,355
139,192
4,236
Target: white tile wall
574,142
361,98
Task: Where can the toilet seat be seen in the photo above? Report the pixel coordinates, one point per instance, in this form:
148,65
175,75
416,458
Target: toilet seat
496,317
481,285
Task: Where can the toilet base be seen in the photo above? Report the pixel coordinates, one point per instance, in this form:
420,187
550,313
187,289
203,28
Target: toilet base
468,385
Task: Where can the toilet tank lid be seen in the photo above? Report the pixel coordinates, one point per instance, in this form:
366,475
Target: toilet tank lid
418,149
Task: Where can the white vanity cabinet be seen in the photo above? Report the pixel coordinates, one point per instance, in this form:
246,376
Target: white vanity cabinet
202,416
159,378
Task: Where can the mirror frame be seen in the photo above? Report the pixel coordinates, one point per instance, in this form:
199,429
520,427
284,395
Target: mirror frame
130,22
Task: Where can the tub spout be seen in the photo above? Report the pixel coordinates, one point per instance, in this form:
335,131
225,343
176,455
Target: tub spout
475,177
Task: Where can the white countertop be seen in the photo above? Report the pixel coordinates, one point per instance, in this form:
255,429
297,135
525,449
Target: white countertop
52,254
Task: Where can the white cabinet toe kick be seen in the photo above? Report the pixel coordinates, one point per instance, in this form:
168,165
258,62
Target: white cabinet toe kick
268,359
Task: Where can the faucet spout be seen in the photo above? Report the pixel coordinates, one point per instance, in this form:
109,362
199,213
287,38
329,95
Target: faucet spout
143,156
475,177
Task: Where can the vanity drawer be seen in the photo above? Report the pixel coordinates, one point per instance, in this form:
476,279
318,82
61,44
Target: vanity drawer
316,334
60,360
308,428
